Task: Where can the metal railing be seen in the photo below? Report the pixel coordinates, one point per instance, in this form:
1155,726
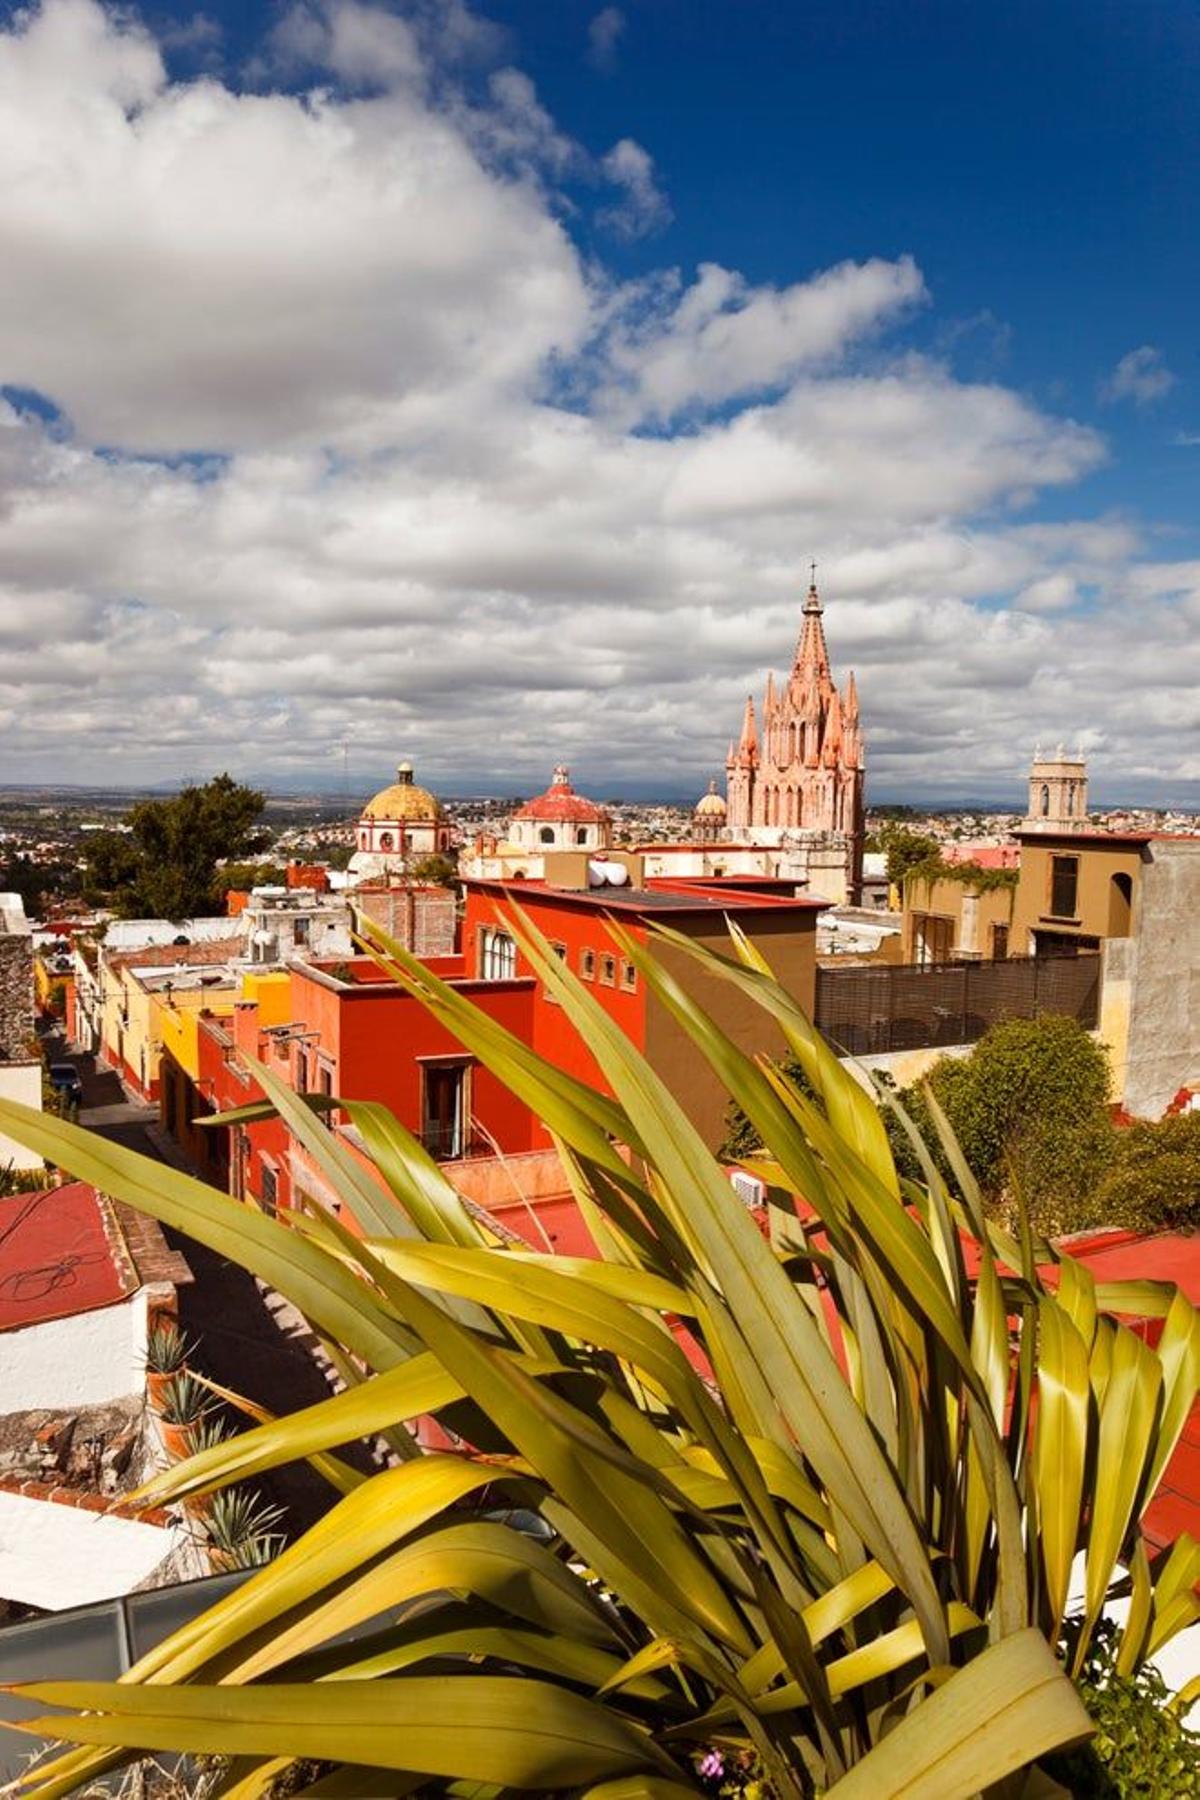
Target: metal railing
874,1008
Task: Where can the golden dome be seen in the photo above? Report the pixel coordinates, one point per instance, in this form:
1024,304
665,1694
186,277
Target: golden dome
711,804
403,800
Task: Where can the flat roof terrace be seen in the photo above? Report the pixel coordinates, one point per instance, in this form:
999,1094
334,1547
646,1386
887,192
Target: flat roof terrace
661,895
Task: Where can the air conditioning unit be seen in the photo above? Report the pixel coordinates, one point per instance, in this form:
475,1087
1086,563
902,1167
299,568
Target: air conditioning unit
749,1189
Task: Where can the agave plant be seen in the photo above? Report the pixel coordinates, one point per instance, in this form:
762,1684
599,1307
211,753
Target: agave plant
184,1400
205,1432
242,1527
166,1347
813,1498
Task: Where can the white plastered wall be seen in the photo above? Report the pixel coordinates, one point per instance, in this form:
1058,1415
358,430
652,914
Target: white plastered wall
56,1556
86,1360
23,1082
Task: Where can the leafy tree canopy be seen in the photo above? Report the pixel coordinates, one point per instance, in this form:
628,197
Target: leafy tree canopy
1029,1105
165,865
37,882
244,875
436,869
906,849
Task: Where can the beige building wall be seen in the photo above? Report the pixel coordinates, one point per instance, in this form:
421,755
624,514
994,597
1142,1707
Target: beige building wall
1101,909
791,952
969,919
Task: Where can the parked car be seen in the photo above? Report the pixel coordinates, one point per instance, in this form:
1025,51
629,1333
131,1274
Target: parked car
64,1079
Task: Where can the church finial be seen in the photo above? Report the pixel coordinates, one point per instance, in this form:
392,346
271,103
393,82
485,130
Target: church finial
562,775
813,603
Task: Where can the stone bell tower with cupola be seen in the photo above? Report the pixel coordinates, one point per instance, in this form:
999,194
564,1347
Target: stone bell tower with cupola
1057,792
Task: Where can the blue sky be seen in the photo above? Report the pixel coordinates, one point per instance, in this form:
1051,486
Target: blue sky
704,289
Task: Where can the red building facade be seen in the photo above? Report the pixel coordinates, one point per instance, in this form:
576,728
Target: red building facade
352,1032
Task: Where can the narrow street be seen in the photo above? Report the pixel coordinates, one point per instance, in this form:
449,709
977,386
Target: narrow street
222,1310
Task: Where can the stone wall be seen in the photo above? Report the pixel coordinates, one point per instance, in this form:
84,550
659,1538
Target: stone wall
1162,1052
16,995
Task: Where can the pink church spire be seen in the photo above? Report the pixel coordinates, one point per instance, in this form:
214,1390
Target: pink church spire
747,750
812,655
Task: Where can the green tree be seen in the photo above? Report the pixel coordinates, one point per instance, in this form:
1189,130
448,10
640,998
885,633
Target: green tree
1029,1105
165,865
436,869
37,882
243,875
1154,1181
906,849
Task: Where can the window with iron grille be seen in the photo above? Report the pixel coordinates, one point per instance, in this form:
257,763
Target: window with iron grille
587,964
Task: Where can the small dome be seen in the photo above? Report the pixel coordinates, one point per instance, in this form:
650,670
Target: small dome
712,804
403,800
560,804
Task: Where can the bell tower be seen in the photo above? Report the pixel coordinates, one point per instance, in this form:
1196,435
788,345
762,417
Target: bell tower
1057,792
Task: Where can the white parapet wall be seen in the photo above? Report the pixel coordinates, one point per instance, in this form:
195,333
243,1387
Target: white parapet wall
20,1081
87,1359
56,1554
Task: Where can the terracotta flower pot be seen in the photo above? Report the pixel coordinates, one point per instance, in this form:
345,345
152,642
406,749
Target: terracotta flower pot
175,1439
156,1384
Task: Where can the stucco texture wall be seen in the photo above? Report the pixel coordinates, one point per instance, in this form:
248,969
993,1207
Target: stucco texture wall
86,1359
57,1556
1163,1044
20,1081
791,951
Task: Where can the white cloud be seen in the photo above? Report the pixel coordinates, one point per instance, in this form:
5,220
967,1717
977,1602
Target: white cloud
1141,376
365,45
605,31
1050,593
643,207
720,338
368,301
190,267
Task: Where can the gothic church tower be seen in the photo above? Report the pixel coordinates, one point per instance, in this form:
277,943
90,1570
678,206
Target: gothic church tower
804,773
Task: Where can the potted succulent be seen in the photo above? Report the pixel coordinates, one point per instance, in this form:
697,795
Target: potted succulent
241,1529
166,1354
184,1404
210,1429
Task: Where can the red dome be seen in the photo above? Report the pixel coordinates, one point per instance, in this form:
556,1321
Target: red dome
560,804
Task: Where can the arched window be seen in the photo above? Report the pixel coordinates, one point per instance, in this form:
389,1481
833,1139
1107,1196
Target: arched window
386,841
1070,799
1120,905
546,834
1045,801
581,835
